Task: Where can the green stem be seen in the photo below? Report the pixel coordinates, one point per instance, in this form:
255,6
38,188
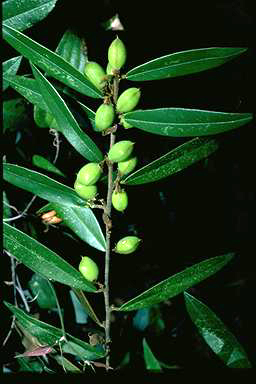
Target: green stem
108,238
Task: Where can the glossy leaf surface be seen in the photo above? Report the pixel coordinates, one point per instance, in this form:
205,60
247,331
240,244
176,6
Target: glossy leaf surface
183,63
65,120
23,14
151,362
82,221
49,335
73,49
42,260
41,185
181,122
173,161
216,334
89,113
43,163
178,283
10,67
50,62
28,88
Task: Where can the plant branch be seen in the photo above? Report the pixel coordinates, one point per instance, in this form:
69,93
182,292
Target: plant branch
108,237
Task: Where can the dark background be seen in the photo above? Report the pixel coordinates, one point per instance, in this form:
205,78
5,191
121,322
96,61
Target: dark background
205,210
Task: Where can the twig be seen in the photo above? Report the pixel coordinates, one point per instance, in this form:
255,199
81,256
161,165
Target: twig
108,238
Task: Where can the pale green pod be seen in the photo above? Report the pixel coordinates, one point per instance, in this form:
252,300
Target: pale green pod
89,174
127,166
117,53
128,100
95,73
127,245
85,191
88,268
120,151
104,117
109,69
120,200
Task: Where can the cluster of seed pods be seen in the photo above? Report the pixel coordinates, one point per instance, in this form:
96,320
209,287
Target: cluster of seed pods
120,154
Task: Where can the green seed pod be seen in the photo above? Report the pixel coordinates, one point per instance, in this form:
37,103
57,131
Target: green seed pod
124,123
120,200
109,69
104,117
85,191
120,151
117,53
89,174
128,100
127,245
88,268
95,74
127,166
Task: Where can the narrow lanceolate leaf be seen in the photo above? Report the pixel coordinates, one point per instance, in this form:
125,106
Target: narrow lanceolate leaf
42,260
177,283
82,221
173,161
28,88
65,120
24,13
183,63
151,362
181,122
50,335
41,185
10,67
50,62
216,334
89,113
73,49
43,163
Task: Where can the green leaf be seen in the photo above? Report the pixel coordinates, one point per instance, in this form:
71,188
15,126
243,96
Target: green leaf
216,334
178,283
10,67
65,120
42,291
49,335
28,88
15,115
50,62
151,362
43,163
89,113
41,185
82,221
172,162
181,122
183,63
24,13
42,260
73,49
29,365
